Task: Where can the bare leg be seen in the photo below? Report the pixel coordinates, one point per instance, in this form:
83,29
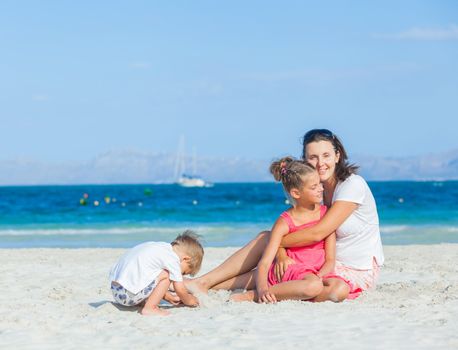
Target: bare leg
245,281
305,289
243,260
152,303
249,295
334,290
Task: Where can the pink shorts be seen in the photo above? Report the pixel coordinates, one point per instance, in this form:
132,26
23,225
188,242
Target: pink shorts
361,280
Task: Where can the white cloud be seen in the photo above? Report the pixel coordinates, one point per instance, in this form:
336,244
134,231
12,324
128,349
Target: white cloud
311,76
324,77
417,33
191,89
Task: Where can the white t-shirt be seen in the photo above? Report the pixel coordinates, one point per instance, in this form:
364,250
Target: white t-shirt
358,238
139,266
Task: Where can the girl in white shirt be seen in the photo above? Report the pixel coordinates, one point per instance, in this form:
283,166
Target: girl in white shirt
352,214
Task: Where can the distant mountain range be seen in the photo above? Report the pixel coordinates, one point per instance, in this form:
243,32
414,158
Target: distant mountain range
124,167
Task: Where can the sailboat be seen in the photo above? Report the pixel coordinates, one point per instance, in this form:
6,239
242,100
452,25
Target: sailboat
182,178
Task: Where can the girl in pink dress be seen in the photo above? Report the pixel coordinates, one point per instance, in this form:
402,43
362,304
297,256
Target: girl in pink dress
312,271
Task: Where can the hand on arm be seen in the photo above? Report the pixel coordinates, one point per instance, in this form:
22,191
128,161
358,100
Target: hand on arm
282,261
330,259
278,231
334,217
187,298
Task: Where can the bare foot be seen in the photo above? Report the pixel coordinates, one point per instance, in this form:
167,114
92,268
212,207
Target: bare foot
249,295
195,286
154,311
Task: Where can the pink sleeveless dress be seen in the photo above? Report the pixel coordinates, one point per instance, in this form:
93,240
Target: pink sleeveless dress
309,259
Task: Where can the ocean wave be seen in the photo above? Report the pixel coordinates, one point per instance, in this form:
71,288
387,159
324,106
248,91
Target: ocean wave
395,228
223,235
201,230
418,228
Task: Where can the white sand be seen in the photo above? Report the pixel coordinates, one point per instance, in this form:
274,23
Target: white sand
59,298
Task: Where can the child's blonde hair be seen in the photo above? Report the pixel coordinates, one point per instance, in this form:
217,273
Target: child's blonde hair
189,242
291,172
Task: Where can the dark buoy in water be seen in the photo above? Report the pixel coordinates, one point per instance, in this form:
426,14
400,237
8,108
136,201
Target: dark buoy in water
83,201
147,192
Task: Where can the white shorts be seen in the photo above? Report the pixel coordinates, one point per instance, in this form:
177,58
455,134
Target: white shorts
123,297
361,279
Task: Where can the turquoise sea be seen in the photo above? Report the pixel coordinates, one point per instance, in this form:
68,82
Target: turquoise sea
224,215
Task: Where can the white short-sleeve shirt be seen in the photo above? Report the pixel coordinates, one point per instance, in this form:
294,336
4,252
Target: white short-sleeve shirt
358,238
141,265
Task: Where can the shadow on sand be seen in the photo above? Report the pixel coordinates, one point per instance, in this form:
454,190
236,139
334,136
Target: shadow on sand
97,304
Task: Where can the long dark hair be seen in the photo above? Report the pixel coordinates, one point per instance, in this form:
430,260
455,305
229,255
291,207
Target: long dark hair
343,168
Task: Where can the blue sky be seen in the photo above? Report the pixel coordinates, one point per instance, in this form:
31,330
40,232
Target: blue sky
237,78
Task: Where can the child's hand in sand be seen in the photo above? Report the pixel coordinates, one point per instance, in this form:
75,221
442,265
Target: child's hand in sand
172,298
186,298
193,301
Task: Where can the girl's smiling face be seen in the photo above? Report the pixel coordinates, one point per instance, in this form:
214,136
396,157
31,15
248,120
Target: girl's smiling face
323,157
311,191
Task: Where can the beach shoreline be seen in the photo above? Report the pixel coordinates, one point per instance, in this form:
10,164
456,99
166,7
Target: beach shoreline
59,298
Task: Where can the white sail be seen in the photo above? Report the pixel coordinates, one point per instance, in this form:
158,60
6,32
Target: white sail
180,176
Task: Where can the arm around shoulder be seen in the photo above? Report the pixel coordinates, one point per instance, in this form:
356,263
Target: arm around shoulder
333,218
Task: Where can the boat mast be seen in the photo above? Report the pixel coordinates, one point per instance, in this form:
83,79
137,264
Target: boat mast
194,161
179,160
